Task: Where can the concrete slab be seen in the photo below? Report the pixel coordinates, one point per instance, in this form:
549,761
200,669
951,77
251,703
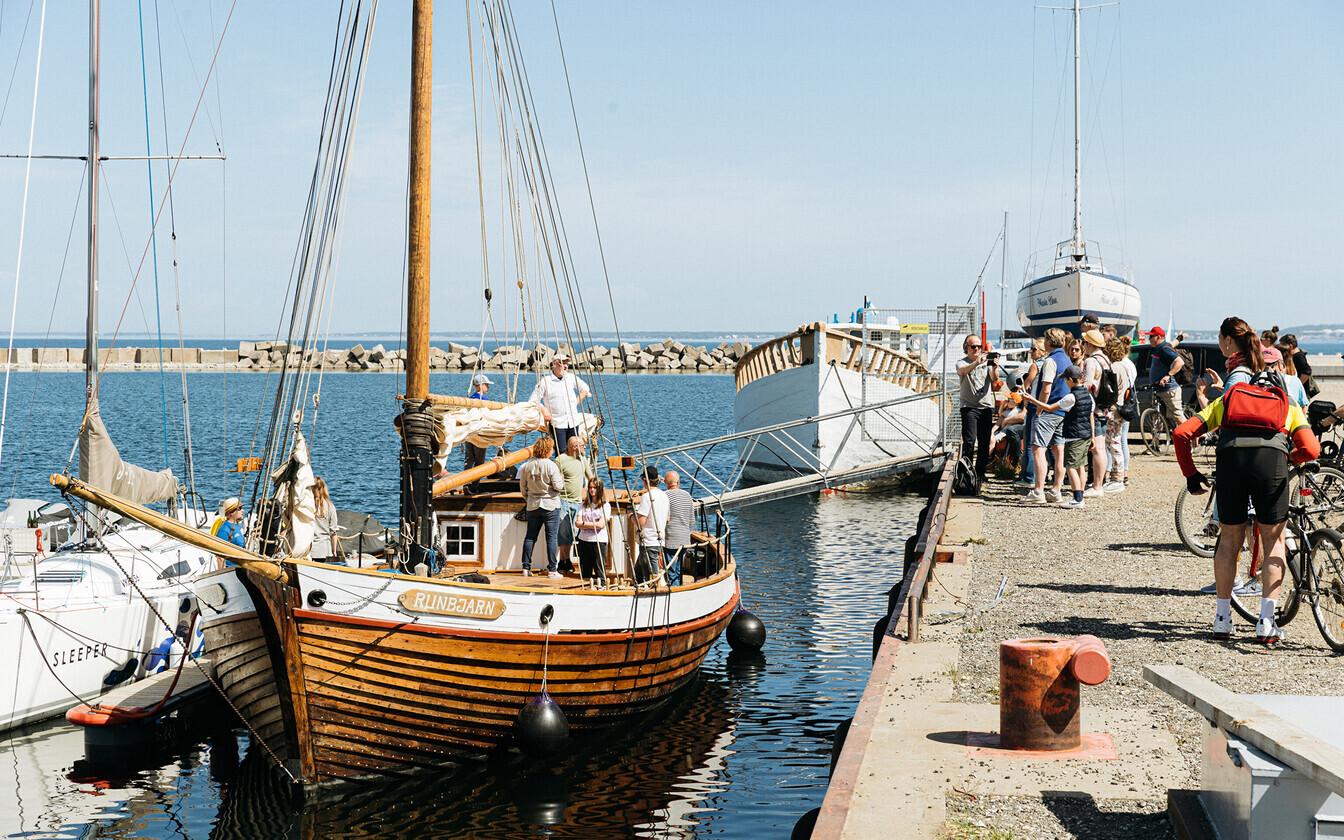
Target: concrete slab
965,521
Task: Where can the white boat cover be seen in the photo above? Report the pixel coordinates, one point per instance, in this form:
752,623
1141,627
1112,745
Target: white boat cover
497,426
294,493
100,464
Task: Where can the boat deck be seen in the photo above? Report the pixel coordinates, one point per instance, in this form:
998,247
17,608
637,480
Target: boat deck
151,689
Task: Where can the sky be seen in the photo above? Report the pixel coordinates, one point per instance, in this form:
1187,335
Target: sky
753,165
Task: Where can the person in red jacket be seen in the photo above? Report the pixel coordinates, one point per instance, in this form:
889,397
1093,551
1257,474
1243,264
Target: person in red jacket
1252,470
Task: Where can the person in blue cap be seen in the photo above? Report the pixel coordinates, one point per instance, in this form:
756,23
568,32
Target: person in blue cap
474,456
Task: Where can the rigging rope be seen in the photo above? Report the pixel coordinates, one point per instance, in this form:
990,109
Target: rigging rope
153,235
23,223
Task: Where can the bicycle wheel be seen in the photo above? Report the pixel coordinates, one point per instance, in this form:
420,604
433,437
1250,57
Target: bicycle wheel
1325,505
1153,427
1246,586
1194,522
1327,586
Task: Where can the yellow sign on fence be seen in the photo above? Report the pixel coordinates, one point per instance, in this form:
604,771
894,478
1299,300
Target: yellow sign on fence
915,329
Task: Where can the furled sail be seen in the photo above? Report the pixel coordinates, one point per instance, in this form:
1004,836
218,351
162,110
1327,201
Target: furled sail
101,465
294,497
489,426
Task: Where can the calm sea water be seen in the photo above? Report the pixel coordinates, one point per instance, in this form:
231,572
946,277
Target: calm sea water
743,753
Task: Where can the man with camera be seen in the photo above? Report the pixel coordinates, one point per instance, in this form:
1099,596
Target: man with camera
979,373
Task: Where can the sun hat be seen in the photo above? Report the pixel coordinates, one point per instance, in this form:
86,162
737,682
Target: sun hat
481,379
230,504
1095,338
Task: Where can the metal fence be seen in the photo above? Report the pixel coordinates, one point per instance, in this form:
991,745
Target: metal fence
933,337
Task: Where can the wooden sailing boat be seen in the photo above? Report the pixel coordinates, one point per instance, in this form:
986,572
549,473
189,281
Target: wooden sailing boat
346,673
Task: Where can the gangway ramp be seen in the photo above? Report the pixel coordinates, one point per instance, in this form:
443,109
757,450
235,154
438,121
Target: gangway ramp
718,482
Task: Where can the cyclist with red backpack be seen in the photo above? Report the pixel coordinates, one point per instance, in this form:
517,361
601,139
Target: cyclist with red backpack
1259,431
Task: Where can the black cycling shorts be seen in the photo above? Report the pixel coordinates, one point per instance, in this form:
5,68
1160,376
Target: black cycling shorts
1252,476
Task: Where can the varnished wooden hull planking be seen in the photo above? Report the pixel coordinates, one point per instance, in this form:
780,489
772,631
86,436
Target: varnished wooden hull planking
386,698
342,697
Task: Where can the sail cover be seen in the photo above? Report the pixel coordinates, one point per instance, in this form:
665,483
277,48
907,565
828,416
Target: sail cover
101,465
294,495
497,426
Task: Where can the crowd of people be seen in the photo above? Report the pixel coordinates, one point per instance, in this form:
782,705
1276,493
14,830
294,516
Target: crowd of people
1067,414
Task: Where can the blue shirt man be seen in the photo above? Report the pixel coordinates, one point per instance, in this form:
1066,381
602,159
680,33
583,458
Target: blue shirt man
474,456
1164,363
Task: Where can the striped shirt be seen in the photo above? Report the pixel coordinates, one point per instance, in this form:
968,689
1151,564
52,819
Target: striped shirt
680,508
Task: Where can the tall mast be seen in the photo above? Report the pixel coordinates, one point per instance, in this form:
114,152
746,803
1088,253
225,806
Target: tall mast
417,228
1003,275
417,422
91,324
1078,246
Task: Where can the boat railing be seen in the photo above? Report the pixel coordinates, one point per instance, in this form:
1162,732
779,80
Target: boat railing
777,354
841,348
879,360
1060,258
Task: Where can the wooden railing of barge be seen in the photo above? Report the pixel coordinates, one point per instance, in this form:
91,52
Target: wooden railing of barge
841,348
907,602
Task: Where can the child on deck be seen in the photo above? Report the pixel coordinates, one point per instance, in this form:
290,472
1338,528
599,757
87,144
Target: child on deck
1076,431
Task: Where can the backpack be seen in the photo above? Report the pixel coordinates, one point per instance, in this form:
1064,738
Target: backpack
1257,408
965,482
1186,375
1108,388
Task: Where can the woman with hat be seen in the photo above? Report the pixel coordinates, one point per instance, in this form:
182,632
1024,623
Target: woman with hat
1095,363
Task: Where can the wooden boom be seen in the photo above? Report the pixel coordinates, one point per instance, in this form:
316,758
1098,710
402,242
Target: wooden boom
489,468
249,560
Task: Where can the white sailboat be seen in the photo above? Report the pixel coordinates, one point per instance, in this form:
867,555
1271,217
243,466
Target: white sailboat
1078,282
87,617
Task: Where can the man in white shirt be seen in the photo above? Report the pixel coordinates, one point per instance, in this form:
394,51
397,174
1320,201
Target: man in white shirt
560,393
651,514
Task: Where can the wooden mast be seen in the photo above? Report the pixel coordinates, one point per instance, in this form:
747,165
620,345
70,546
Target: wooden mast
417,421
417,229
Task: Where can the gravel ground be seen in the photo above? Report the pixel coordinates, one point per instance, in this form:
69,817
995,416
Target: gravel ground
1118,571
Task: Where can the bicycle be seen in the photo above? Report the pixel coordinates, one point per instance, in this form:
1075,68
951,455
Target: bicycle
1156,427
1313,562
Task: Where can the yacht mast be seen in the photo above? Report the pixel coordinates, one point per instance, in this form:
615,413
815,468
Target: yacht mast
91,324
417,422
1079,249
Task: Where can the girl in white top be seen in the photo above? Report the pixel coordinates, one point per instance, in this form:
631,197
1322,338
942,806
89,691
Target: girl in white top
591,521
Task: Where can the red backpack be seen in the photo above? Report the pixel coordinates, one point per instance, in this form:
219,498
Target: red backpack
1258,407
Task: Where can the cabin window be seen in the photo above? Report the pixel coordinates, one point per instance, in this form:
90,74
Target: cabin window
461,539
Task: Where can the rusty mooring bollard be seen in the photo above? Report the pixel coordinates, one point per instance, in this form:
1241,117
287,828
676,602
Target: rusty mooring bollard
1038,690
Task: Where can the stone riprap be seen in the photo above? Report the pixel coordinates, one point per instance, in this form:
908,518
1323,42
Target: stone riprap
664,356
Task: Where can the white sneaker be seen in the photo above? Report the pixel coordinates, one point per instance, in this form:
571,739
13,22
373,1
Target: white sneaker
554,575
1093,493
527,573
1052,496
1222,627
1267,632
1249,587
1113,487
1072,504
1034,495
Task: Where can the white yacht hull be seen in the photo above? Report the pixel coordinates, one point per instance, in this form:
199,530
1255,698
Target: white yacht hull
75,628
903,431
1062,299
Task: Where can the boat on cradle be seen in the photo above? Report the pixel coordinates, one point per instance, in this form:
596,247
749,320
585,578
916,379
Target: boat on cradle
1078,282
822,369
89,596
347,673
